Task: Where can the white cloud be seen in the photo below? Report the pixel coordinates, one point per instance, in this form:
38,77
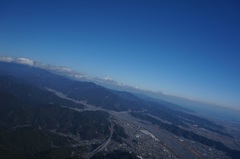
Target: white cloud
17,60
107,79
79,76
25,61
66,69
6,59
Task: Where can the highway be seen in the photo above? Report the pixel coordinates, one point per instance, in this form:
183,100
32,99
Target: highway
88,107
169,143
103,145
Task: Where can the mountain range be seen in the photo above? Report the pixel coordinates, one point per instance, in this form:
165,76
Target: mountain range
201,108
36,122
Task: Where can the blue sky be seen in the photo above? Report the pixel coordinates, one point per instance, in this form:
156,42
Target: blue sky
184,48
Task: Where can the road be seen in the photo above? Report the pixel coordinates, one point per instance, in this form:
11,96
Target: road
87,108
103,145
167,141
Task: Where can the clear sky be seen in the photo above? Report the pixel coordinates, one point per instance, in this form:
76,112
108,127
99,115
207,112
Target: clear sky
186,48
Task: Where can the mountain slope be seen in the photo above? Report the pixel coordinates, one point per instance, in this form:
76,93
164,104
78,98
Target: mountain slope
105,98
28,106
37,126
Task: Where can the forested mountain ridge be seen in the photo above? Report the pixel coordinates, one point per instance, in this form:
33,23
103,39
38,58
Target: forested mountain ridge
29,109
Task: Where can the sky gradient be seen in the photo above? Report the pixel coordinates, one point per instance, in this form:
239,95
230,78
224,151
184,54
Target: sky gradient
185,48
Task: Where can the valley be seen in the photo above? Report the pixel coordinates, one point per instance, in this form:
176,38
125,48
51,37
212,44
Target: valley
47,115
147,145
